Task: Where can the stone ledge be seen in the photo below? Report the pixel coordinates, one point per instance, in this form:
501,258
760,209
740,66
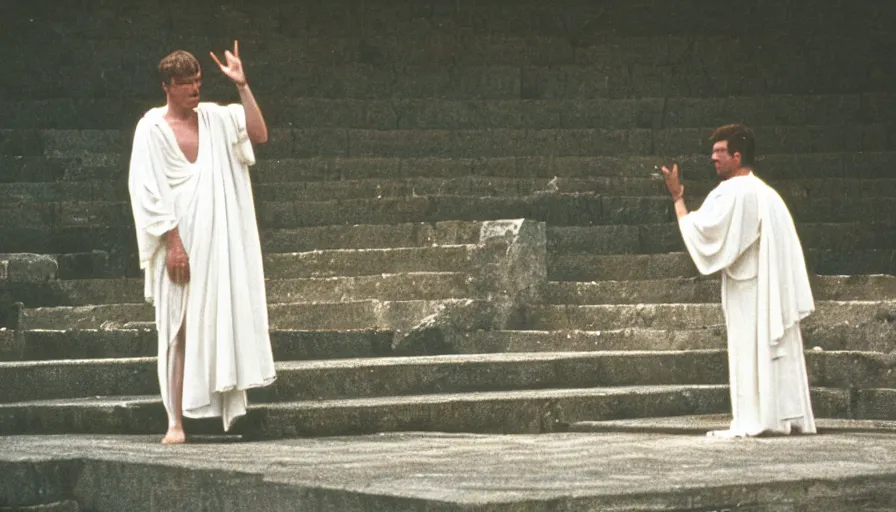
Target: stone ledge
697,425
458,472
28,268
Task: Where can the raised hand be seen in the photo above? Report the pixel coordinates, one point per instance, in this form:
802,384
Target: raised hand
673,183
234,67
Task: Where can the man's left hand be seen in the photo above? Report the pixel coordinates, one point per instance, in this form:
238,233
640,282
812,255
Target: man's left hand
234,67
673,183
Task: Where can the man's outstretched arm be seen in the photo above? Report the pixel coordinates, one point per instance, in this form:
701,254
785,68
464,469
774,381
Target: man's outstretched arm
255,125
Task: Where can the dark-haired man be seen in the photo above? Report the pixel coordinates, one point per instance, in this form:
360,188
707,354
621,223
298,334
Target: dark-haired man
744,230
198,243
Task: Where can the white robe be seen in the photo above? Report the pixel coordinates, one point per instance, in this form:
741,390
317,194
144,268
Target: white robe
228,348
744,230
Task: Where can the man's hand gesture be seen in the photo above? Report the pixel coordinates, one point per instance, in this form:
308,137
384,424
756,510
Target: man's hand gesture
673,182
234,67
177,261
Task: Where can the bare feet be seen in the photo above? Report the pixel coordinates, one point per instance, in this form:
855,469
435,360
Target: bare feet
175,435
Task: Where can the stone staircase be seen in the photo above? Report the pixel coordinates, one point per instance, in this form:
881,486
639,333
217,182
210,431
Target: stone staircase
407,142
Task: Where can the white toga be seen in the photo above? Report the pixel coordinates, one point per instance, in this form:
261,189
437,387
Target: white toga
228,348
744,230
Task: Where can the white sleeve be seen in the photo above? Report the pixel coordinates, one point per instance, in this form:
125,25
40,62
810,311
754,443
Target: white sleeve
242,145
721,229
151,199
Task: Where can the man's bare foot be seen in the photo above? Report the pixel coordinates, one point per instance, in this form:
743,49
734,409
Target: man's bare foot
174,436
724,434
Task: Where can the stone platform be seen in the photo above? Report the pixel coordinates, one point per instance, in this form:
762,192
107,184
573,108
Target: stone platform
849,466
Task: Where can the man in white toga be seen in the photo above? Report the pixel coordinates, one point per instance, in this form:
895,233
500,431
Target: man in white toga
744,230
198,244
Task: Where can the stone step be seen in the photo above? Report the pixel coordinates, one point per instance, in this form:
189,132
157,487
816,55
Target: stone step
371,236
402,286
582,266
789,73
478,186
706,290
45,506
354,315
598,239
690,316
106,167
380,377
506,412
699,425
115,240
100,166
41,345
473,143
314,263
559,209
435,113
556,209
446,285
871,336
664,238
781,166
367,378
120,241
368,262
445,473
402,34
399,36
30,268
323,344
793,191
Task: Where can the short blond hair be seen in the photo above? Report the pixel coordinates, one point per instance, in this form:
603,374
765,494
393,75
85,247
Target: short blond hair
178,64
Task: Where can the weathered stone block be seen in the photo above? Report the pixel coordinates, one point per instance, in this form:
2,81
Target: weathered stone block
658,81
509,271
619,267
502,49
614,114
29,268
852,370
634,210
467,82
325,113
877,404
589,142
89,214
65,143
595,239
21,143
417,143
591,82
542,82
481,114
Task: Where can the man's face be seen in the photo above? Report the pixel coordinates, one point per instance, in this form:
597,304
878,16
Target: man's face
184,91
725,162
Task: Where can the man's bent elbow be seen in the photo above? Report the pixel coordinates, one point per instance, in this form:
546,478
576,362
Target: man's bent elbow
258,138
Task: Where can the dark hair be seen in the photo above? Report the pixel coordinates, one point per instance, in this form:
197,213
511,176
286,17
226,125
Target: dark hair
178,64
740,140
